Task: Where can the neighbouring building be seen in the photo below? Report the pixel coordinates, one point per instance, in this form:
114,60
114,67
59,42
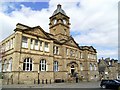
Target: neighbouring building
32,55
118,70
108,68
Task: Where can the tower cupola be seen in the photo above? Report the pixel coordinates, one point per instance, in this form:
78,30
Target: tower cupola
59,22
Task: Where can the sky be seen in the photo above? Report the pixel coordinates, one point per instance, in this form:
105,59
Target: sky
93,22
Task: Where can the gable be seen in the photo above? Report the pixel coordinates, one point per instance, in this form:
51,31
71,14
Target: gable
71,42
37,32
92,49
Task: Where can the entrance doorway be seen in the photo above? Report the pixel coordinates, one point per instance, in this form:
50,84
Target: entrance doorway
72,70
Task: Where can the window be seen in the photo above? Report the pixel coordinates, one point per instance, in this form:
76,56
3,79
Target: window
81,55
10,65
0,66
55,50
91,67
5,66
67,51
41,48
76,53
43,65
11,43
46,47
31,44
55,21
64,21
71,53
95,68
81,66
7,46
88,55
36,45
94,56
27,65
65,32
55,66
24,42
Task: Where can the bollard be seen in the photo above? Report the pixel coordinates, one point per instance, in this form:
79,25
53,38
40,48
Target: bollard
34,81
50,81
7,81
38,81
42,81
76,80
46,81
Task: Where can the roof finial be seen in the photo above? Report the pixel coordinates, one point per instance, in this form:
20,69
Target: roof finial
58,6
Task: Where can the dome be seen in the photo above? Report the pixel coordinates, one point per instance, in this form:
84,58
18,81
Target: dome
59,9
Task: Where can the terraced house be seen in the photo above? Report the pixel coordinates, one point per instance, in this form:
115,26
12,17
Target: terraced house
31,55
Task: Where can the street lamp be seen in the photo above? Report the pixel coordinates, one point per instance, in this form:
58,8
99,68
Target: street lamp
38,75
19,74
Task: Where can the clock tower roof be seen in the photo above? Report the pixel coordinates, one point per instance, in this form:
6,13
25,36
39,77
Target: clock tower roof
59,9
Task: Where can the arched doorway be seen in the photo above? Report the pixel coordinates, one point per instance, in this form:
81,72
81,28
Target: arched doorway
72,69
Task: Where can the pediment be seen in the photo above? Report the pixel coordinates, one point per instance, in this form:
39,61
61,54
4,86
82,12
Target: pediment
72,43
37,31
92,49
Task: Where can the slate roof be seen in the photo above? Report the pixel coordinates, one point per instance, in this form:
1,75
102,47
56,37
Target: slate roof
59,10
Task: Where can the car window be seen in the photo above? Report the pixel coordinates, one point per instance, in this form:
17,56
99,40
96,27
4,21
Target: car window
116,81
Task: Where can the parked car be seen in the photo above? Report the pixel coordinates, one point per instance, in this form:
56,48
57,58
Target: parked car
110,84
117,80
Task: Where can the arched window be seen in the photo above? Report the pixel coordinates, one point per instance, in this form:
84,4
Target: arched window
55,66
27,65
42,65
91,67
10,65
81,66
5,65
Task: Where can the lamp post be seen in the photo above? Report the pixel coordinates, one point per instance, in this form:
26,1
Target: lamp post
88,76
19,74
38,75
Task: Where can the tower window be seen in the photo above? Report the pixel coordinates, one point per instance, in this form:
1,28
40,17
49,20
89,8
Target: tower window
64,21
55,21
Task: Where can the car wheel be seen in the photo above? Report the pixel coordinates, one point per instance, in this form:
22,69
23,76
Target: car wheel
103,86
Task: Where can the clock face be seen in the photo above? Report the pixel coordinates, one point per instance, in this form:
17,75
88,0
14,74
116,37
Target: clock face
55,21
64,21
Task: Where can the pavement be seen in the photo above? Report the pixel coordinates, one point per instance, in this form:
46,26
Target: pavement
57,85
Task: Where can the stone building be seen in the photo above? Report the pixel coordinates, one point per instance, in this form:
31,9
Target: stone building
32,55
118,70
108,68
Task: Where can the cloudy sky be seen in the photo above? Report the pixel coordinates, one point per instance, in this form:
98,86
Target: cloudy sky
93,22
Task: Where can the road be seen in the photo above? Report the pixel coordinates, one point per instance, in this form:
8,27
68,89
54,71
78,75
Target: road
93,85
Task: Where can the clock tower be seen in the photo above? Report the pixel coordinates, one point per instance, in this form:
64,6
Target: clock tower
59,23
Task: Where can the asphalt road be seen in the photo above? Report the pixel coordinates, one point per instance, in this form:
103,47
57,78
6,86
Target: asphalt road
85,85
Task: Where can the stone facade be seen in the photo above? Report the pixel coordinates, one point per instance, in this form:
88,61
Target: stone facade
108,68
118,70
31,55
